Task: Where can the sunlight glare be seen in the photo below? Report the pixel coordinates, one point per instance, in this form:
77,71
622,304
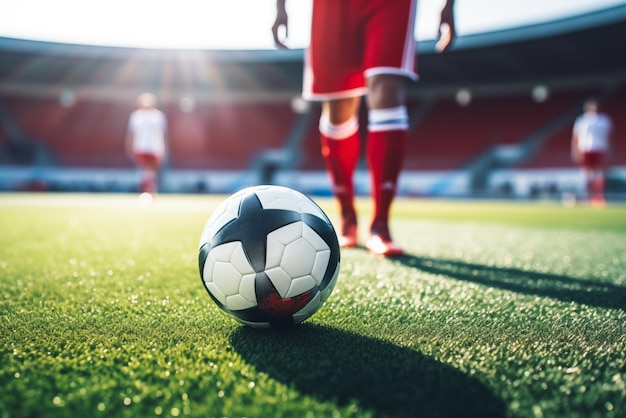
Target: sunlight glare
188,24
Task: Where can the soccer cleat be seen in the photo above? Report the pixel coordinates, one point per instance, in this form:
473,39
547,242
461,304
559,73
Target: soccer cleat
348,241
380,243
348,235
378,246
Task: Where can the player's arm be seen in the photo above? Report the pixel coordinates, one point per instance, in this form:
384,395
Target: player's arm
130,138
281,21
166,138
609,140
447,27
575,151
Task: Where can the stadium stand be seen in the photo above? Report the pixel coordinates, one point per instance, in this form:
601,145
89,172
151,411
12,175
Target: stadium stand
92,134
450,135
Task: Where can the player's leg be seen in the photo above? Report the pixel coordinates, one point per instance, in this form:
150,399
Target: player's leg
141,163
386,145
149,182
339,132
389,64
333,75
594,164
598,184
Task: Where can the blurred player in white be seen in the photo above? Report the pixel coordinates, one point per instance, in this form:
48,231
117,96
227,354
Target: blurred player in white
591,144
363,48
145,139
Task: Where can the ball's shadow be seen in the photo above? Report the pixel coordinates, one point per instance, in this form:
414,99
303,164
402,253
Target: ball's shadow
381,377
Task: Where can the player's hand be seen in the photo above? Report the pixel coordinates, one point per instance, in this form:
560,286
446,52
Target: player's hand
281,22
444,41
447,29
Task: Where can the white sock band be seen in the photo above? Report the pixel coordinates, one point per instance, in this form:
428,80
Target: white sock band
390,119
341,131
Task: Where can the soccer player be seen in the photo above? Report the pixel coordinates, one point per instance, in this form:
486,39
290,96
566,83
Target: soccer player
363,48
145,140
591,143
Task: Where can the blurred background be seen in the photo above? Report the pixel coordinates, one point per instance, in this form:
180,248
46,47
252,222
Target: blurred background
491,118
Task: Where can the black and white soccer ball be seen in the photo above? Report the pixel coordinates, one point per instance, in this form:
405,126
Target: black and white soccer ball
269,256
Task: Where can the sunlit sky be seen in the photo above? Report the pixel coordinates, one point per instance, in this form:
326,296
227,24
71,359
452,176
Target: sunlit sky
239,24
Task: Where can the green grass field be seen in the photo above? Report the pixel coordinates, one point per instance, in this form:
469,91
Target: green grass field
499,310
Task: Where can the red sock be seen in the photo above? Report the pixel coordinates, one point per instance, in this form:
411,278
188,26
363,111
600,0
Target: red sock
341,157
385,153
149,182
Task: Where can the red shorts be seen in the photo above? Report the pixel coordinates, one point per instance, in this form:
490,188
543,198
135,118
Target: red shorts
147,160
354,39
592,160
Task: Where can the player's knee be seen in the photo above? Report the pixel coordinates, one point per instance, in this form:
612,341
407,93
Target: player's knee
338,131
386,91
340,111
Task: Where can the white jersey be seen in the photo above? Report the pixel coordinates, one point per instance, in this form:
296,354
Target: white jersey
148,127
593,131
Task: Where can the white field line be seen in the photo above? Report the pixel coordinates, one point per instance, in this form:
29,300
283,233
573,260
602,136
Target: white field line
125,202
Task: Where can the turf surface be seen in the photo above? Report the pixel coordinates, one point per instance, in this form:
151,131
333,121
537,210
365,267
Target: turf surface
499,310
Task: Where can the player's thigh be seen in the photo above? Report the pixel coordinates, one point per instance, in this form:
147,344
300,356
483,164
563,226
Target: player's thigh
335,56
593,160
390,45
147,160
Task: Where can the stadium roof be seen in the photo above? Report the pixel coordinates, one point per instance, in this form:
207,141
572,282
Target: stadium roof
576,51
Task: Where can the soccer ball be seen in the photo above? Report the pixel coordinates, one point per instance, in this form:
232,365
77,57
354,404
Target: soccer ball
269,256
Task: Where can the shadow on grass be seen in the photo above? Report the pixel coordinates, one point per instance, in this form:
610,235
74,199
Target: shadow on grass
381,377
564,288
